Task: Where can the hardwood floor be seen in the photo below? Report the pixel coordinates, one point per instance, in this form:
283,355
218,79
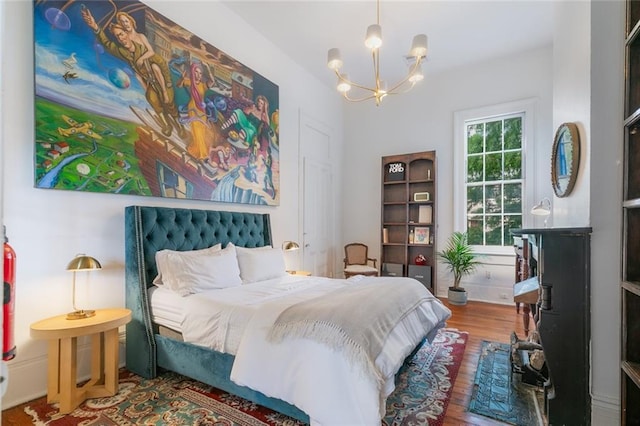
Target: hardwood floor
483,321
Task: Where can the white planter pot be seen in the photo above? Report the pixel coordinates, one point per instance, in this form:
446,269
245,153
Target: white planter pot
457,297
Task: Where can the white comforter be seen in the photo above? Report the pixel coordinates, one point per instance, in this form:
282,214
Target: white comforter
217,318
318,380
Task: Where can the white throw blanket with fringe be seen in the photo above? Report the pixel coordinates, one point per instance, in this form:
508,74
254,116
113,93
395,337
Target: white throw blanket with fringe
373,309
324,382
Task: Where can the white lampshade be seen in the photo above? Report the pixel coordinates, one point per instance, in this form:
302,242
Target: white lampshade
343,83
374,36
543,208
290,245
419,46
334,59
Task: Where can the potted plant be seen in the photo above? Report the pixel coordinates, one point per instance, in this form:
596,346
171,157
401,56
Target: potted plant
460,260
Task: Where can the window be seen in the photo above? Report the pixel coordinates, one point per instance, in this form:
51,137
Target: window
494,179
490,158
172,184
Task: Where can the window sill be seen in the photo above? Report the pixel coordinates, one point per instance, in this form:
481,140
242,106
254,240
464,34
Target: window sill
508,251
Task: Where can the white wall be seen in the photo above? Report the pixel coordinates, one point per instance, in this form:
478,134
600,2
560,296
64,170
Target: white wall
572,100
422,120
607,90
48,227
588,90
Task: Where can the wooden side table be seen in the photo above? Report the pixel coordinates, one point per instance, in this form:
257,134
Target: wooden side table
62,363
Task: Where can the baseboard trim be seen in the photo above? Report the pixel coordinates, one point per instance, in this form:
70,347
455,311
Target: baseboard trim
605,410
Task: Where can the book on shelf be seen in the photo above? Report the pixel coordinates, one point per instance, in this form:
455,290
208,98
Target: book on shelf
424,214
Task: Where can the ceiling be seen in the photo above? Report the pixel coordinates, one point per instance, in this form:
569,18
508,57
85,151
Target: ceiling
460,32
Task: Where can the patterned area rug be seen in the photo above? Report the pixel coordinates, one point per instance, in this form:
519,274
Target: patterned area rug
499,394
425,382
422,394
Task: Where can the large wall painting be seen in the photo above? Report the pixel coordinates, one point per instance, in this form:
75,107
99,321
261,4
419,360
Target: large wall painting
128,102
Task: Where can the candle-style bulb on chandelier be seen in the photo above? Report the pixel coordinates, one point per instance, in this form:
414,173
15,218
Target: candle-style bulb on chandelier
379,90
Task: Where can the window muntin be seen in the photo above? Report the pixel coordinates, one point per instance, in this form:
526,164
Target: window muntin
494,178
173,184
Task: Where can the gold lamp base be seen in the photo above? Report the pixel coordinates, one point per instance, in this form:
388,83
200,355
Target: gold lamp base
80,314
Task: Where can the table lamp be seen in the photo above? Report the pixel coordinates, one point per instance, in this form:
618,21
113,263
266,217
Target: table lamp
543,208
81,263
290,245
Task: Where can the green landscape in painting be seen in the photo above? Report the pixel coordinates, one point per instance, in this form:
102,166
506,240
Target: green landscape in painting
78,150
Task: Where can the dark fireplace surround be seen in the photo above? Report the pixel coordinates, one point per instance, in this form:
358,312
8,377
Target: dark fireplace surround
563,320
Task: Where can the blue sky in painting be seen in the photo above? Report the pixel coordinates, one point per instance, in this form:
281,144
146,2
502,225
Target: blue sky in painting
92,90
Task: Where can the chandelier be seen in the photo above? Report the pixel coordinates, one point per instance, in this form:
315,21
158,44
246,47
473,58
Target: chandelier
373,41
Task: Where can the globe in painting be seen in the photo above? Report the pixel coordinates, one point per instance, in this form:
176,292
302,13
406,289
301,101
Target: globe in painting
58,19
119,78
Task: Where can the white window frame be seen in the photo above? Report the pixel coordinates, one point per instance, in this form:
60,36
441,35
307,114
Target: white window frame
527,107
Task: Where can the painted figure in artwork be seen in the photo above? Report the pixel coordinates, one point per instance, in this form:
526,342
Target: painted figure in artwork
269,187
131,52
249,119
201,133
149,60
219,157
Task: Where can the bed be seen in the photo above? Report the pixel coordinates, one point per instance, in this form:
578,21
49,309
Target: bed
149,349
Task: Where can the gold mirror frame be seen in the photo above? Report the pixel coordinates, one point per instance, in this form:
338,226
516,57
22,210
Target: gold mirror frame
565,159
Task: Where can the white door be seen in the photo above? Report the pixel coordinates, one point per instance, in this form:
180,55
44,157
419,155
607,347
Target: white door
317,215
317,224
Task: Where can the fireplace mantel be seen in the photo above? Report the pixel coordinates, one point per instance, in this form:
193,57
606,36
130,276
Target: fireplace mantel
564,320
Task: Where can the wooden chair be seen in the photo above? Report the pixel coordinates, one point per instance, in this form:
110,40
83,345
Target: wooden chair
357,261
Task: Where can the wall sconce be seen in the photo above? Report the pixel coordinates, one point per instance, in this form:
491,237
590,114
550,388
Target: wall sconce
81,263
543,208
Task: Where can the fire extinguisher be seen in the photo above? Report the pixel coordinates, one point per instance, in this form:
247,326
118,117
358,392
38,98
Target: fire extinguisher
9,291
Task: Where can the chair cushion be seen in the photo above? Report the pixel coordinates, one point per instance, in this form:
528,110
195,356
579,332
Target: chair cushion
359,269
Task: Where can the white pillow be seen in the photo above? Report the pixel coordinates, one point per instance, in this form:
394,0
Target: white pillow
259,264
193,274
250,249
162,255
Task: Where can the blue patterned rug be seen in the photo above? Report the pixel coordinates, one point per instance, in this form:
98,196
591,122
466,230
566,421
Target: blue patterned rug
500,395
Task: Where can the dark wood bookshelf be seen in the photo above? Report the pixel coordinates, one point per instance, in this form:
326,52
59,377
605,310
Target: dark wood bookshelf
630,284
402,177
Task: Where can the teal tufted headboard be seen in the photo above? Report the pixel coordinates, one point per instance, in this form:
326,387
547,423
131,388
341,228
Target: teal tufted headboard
149,229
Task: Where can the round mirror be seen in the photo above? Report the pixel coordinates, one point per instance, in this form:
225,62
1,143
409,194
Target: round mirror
565,159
